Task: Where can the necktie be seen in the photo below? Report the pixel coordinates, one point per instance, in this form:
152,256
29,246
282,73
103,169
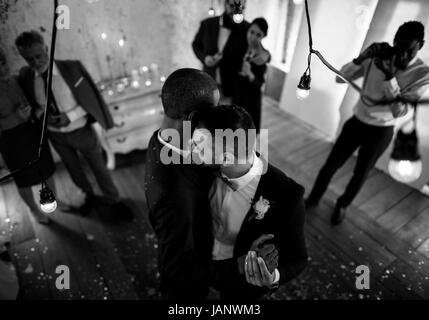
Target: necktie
53,107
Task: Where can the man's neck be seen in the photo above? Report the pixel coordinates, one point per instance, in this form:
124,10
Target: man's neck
171,124
238,170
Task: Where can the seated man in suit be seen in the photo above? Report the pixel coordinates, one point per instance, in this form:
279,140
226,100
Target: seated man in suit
176,194
221,44
76,102
258,212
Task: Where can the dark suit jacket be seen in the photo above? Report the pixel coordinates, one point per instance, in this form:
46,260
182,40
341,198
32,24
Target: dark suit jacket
205,43
81,85
179,212
285,219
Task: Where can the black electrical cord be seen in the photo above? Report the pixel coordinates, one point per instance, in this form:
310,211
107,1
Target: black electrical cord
48,100
345,78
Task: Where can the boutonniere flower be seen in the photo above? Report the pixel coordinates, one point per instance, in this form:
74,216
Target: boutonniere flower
261,207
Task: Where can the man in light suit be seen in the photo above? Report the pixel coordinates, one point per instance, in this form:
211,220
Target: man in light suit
76,103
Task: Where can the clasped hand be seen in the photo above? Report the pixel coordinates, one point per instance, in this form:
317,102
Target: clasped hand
261,262
60,120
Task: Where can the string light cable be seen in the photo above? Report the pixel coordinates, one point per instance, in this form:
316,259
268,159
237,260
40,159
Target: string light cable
46,195
304,83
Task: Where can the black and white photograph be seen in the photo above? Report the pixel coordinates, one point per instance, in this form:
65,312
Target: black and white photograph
213,156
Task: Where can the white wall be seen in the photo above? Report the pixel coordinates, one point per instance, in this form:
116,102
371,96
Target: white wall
339,29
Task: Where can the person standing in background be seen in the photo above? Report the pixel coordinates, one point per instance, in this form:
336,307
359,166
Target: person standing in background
220,44
76,103
19,141
248,89
389,73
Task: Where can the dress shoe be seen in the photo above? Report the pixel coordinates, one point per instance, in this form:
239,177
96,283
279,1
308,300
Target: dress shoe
121,211
88,205
338,215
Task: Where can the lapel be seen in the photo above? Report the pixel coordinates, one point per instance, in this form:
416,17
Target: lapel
216,28
66,74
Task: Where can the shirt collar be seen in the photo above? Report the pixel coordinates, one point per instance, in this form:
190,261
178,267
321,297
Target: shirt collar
55,71
244,180
183,153
412,61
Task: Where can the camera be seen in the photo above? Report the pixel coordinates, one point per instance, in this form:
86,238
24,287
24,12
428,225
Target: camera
386,52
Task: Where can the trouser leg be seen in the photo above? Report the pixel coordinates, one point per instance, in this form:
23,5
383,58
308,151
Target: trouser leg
347,142
70,158
377,139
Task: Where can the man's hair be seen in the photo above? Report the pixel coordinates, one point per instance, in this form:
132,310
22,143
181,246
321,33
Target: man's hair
411,30
227,117
187,90
28,39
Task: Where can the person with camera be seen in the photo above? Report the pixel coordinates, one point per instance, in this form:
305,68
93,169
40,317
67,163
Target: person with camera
393,78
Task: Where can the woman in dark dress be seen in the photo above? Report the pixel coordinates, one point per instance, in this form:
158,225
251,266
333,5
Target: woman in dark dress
248,89
19,141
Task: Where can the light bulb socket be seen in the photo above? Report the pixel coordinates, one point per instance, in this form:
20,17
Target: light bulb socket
237,11
405,146
46,195
304,82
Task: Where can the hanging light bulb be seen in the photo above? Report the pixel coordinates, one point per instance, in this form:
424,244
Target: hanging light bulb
104,36
405,163
211,12
237,11
121,42
298,2
48,203
404,170
303,89
238,17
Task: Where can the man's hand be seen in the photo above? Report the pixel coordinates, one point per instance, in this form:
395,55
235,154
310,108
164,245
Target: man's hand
372,51
212,61
256,271
387,66
58,121
398,109
266,251
24,112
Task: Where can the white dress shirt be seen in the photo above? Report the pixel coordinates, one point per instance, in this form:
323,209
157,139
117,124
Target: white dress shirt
64,99
223,37
229,206
411,83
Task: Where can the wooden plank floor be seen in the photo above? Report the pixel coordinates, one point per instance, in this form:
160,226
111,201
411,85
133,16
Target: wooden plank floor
387,229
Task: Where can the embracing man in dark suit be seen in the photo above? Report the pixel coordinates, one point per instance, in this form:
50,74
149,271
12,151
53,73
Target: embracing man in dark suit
177,192
221,44
257,211
76,103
